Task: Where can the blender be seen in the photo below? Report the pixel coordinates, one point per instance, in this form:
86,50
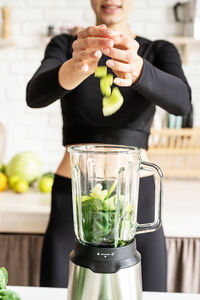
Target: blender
105,264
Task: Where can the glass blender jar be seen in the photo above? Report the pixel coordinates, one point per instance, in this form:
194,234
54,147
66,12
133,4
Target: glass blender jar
105,185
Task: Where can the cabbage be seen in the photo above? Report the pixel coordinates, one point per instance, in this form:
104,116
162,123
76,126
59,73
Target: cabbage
27,165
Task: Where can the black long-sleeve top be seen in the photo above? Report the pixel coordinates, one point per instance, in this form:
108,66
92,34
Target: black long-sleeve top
161,83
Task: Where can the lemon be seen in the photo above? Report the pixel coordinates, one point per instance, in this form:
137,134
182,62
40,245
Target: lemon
21,186
12,180
45,184
3,182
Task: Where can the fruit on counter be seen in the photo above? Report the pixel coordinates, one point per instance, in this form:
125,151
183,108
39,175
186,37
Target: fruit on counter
27,165
45,184
21,186
3,182
49,174
113,103
6,294
2,168
12,180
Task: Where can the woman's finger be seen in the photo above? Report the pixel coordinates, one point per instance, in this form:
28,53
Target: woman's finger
86,54
121,55
92,42
87,68
99,31
120,66
123,82
125,42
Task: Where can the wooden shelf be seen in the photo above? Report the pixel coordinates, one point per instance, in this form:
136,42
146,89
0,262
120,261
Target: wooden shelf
184,44
183,40
176,151
6,43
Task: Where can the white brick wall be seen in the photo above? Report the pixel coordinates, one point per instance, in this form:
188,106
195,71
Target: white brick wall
41,130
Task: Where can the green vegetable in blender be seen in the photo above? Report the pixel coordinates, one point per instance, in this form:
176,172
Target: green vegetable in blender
6,294
99,217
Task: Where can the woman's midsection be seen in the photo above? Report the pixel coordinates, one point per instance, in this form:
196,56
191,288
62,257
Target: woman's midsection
64,168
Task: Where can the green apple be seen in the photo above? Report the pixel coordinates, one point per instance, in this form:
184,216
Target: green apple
45,184
12,180
21,186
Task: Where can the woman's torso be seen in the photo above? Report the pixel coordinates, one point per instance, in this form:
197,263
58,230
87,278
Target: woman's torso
83,121
65,170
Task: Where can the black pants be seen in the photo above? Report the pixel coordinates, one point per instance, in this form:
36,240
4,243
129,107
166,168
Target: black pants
59,239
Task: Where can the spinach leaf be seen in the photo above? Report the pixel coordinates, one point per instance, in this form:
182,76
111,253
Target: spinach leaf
98,218
4,293
9,295
3,278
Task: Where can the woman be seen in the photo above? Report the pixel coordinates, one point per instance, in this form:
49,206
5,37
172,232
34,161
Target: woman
148,74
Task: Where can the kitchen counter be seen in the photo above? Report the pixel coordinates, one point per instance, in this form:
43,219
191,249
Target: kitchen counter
31,293
24,218
24,213
29,212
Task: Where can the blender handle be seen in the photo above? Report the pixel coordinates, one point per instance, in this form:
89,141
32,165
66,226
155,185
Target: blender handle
156,171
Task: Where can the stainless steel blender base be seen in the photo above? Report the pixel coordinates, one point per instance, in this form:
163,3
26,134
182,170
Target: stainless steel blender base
126,284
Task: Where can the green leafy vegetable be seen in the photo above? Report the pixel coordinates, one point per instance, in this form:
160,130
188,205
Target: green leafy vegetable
98,218
98,193
84,198
3,278
9,295
113,186
4,293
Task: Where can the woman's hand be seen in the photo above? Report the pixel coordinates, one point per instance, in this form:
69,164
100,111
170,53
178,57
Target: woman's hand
85,56
125,62
86,49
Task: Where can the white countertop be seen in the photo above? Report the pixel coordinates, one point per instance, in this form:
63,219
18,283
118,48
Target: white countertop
32,293
24,213
29,212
